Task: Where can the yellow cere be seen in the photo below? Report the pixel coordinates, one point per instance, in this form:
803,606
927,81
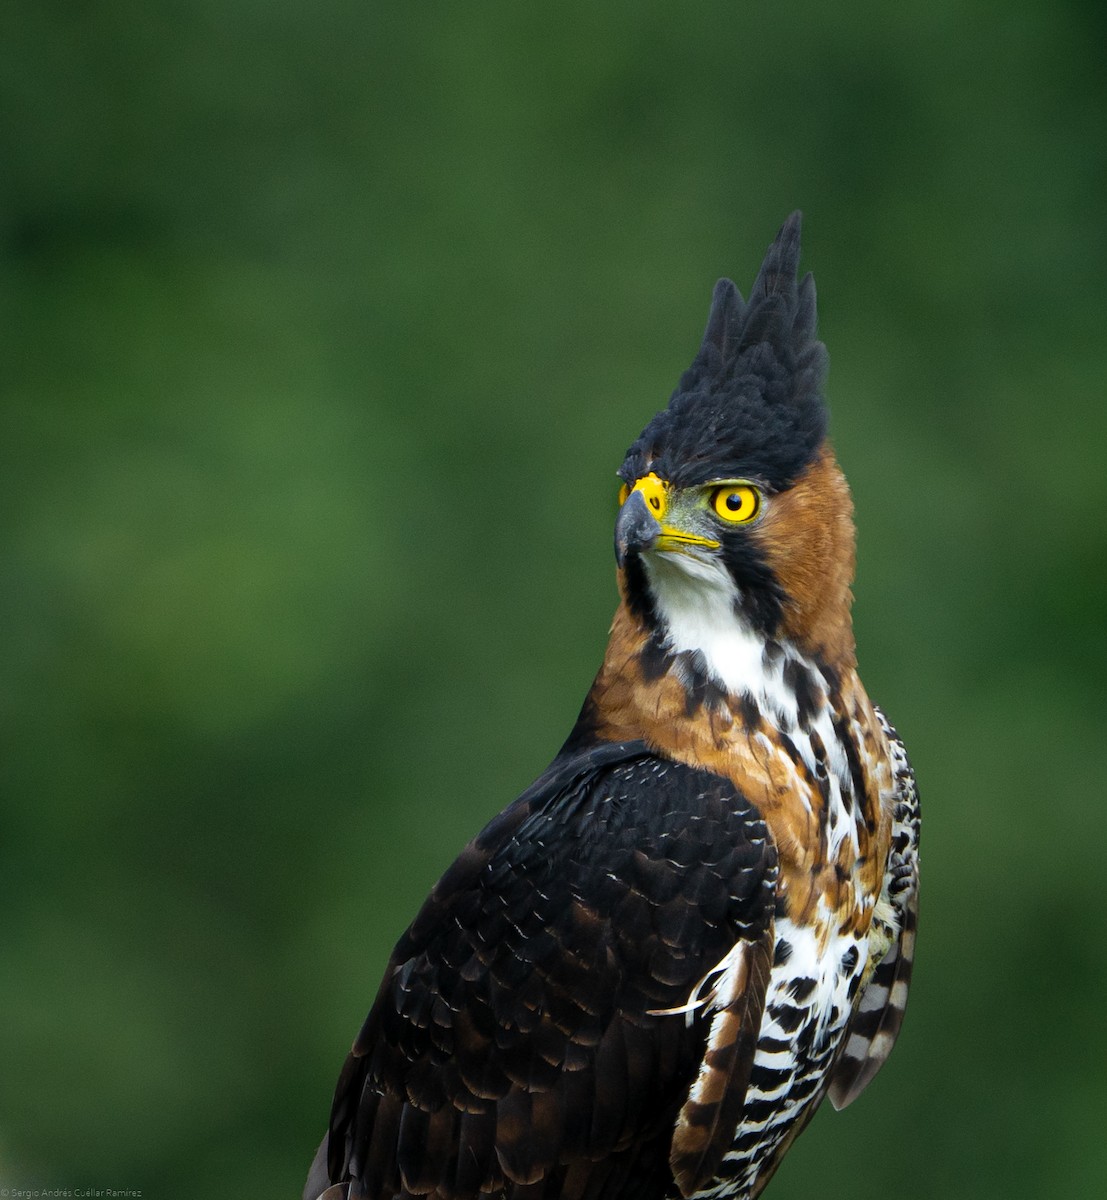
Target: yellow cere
654,493
736,503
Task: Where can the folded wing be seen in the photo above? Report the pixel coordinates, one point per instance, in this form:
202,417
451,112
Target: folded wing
586,978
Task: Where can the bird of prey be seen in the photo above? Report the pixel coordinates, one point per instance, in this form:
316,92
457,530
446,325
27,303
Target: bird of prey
639,981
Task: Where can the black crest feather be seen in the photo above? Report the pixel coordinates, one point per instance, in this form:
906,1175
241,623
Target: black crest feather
751,403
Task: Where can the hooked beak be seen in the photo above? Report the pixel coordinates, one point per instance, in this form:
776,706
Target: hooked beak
636,528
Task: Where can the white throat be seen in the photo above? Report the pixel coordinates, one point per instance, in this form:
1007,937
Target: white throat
697,602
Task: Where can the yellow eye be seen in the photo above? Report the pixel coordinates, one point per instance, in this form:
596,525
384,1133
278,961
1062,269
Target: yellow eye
624,492
736,503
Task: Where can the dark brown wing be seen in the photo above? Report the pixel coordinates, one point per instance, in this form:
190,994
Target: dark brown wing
520,1042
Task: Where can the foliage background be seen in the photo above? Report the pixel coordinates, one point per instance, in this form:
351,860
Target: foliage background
324,330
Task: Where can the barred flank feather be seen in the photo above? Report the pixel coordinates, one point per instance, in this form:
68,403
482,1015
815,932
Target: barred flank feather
876,1023
709,1119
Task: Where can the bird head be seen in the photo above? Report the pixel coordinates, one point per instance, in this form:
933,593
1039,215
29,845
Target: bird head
732,507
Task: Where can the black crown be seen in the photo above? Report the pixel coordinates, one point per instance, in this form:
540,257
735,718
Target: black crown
751,404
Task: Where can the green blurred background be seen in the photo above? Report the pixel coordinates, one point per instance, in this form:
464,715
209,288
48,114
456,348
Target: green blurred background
325,328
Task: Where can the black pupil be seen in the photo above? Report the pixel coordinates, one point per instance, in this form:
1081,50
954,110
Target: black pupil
734,501
655,502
